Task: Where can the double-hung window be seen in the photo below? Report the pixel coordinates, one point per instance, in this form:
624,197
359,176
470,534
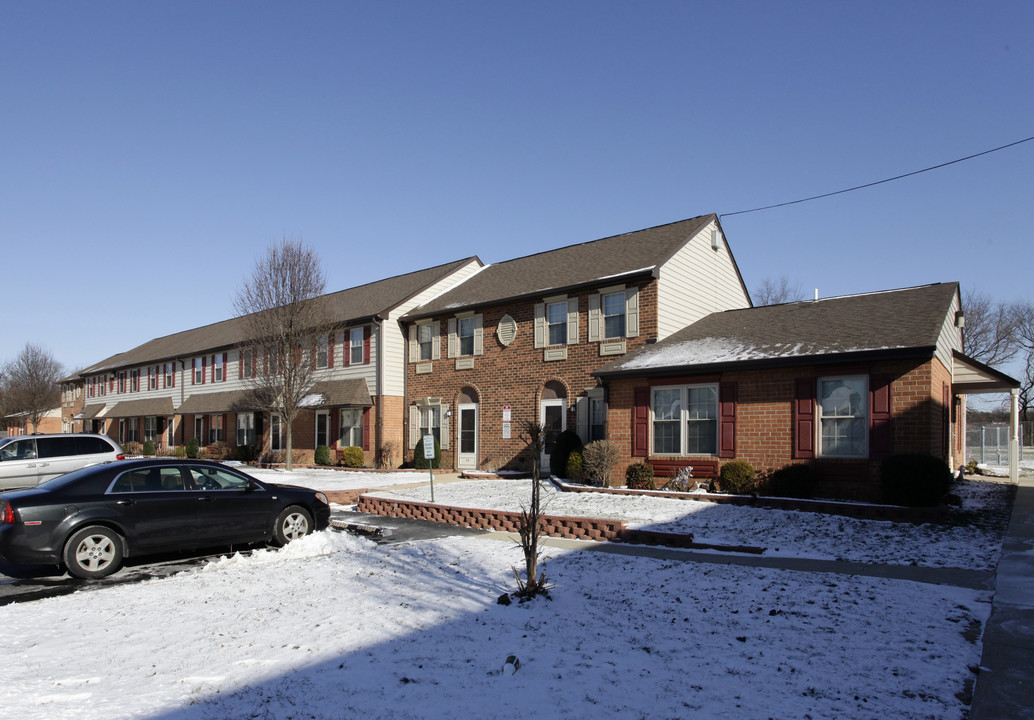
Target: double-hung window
613,315
322,352
351,433
424,338
355,346
169,379
556,323
431,422
150,429
843,416
465,336
199,370
245,429
685,420
152,378
215,429
217,368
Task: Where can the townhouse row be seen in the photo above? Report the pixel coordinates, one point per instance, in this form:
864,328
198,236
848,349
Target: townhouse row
647,339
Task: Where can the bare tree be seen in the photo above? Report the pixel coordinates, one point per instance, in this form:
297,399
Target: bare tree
990,331
285,316
32,383
1023,319
530,526
774,292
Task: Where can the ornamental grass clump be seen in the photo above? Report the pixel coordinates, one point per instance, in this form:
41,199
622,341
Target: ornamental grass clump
598,461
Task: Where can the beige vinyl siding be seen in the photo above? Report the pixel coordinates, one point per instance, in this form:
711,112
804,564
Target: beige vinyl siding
396,338
950,337
697,281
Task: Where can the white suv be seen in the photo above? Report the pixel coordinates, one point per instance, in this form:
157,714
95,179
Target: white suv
27,460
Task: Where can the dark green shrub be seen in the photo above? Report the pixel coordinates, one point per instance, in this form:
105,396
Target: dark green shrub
915,480
193,446
566,443
179,452
149,448
245,453
639,476
792,481
322,455
351,457
736,477
419,461
575,472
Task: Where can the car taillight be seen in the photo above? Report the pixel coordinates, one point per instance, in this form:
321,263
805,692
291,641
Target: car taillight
120,456
6,514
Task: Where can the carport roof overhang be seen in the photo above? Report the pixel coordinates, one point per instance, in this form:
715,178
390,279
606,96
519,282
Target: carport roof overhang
972,377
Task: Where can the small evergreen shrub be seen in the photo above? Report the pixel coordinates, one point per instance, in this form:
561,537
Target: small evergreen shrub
419,461
566,443
322,455
915,480
351,457
575,472
639,476
193,446
179,452
245,453
793,481
736,477
149,448
598,461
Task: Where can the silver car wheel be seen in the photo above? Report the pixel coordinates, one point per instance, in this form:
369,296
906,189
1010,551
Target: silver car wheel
295,526
95,553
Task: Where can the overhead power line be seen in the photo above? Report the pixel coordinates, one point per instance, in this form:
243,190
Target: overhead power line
878,182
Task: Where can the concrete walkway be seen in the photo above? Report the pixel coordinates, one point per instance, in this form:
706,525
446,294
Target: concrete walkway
1005,685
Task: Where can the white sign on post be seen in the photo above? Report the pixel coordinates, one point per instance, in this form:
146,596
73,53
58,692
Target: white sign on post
429,455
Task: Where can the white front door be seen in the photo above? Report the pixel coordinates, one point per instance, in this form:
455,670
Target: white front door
554,421
467,457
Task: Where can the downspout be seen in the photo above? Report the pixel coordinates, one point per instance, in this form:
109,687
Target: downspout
379,436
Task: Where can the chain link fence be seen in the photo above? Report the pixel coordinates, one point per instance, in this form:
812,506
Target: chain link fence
989,444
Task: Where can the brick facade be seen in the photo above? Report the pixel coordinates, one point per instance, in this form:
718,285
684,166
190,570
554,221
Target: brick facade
516,375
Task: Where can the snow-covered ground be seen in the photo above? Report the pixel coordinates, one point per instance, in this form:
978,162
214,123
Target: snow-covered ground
333,626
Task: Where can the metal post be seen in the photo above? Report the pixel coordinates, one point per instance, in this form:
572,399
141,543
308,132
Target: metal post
1014,435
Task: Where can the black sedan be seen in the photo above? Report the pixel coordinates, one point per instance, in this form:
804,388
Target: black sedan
89,520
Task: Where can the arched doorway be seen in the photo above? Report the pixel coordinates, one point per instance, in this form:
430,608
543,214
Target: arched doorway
467,429
552,416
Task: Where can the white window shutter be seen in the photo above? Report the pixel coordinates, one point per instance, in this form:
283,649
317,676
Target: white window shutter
414,348
444,444
572,321
436,340
582,419
632,312
479,334
594,317
414,425
452,337
540,325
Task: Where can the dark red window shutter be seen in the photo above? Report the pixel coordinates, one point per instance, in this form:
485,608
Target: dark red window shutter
804,419
641,422
240,364
881,439
226,366
330,349
366,344
727,420
346,358
366,428
193,371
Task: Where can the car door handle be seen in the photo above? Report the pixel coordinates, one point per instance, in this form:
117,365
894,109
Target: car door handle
123,502
205,498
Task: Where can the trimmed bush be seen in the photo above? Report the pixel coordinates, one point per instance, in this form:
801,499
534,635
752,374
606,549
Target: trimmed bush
566,443
245,453
639,476
598,461
179,452
575,473
351,457
193,446
915,480
736,477
149,448
419,461
322,455
792,481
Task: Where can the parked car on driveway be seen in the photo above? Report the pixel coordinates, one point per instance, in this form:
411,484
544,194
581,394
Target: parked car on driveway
90,520
27,460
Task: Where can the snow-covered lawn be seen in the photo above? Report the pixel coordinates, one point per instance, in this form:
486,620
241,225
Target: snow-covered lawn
333,626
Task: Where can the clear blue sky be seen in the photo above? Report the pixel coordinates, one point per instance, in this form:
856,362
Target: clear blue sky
152,150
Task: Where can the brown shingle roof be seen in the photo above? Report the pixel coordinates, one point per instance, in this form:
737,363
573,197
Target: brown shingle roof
358,303
141,408
895,321
642,251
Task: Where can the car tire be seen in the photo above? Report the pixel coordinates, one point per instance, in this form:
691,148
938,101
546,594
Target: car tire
93,552
292,523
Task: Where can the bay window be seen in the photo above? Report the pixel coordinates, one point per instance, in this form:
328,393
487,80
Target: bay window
351,428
